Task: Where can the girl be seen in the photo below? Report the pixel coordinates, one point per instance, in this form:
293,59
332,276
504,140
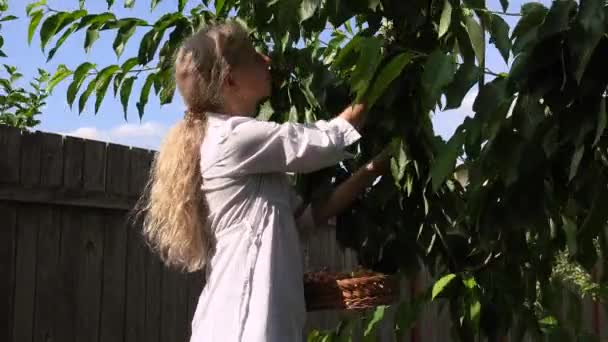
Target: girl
218,196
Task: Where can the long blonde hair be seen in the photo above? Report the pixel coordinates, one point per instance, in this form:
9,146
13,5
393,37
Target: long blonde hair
173,205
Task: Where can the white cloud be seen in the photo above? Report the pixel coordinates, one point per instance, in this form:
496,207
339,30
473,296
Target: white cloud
146,135
148,129
87,133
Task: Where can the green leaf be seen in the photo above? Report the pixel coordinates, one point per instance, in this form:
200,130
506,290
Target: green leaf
408,313
595,221
154,3
387,74
305,87
124,69
602,119
445,161
499,36
168,90
34,21
129,64
548,323
292,116
61,73
399,161
219,5
476,36
472,145
308,9
183,29
103,81
466,77
79,76
29,8
557,19
576,160
438,72
265,112
181,5
61,40
369,59
373,4
533,14
586,34
441,284
91,36
474,312
96,20
504,4
110,3
8,18
469,282
372,325
131,3
446,19
145,92
149,45
347,54
492,96
125,93
126,30
49,27
569,228
84,97
348,27
475,3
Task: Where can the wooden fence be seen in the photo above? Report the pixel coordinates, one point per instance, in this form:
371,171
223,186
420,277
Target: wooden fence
73,269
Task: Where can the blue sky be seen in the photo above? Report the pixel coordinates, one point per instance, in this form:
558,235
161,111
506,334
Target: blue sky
109,124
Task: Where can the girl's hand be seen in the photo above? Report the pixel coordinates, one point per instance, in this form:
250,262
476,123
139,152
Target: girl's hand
380,164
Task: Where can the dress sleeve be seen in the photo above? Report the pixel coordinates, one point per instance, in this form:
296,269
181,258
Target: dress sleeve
254,146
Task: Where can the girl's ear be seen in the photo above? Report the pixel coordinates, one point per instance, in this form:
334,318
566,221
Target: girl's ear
230,80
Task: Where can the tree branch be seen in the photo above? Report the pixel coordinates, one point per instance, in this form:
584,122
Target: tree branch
137,71
50,9
508,14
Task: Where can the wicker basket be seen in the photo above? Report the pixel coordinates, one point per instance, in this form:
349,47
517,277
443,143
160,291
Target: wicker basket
341,291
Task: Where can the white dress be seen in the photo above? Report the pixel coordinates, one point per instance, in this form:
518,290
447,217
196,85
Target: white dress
254,289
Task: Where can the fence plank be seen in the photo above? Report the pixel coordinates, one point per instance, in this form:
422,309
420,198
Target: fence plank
25,276
196,283
181,306
136,257
66,306
168,320
138,170
51,160
314,319
31,145
10,154
94,167
90,273
8,213
153,295
114,267
73,162
47,274
65,197
117,170
136,288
